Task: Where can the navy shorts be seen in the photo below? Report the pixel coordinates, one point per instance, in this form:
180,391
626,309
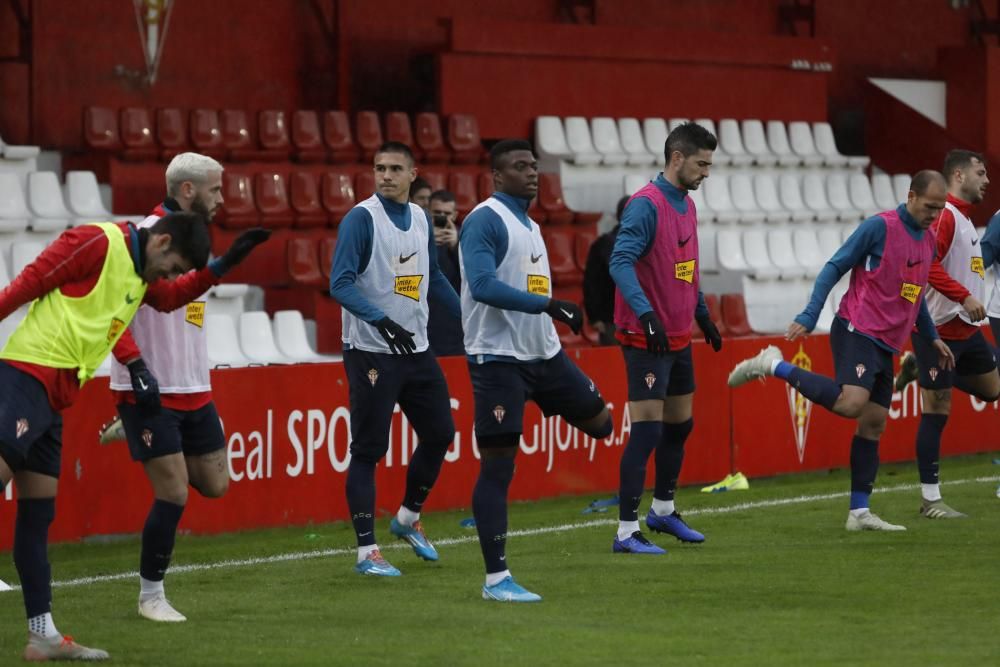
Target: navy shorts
30,430
861,362
151,435
656,377
995,326
556,385
379,381
973,356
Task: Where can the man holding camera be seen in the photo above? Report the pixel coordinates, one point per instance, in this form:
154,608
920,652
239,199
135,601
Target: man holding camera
444,332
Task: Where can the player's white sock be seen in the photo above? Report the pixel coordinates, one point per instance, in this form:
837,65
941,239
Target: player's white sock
931,492
858,512
364,551
496,577
407,517
43,626
663,507
626,528
774,364
149,589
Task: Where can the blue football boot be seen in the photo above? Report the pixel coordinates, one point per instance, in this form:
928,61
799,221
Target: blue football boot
673,524
375,565
636,544
508,590
415,536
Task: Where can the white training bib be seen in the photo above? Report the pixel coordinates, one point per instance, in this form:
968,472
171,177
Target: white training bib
964,262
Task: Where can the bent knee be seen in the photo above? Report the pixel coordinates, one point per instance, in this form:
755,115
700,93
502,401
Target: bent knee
213,488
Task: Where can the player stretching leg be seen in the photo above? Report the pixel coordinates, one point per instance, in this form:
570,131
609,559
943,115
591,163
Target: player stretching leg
655,267
890,255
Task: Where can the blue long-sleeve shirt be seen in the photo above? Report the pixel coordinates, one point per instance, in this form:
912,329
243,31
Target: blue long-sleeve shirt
990,241
635,239
863,249
353,251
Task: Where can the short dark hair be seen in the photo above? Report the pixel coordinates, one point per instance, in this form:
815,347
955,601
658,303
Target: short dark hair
688,138
188,236
419,184
396,147
442,196
504,146
924,179
959,158
620,210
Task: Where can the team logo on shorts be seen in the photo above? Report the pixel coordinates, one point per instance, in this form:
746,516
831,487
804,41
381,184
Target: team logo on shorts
650,380
147,438
21,427
592,387
933,372
860,370
499,412
373,376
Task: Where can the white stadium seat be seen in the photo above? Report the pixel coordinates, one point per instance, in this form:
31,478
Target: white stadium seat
291,340
717,198
839,198
550,139
808,252
790,193
885,197
606,141
14,213
654,132
634,183
677,122
741,192
777,139
801,139
633,143
755,142
862,196
732,144
827,147
729,247
707,254
782,252
757,256
830,240
814,195
223,342
257,339
46,202
22,254
84,196
580,144
766,192
901,184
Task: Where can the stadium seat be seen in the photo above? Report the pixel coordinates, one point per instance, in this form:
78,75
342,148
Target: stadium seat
758,258
827,147
337,137
338,195
790,193
23,253
83,196
729,247
303,195
100,129
272,130
137,134
171,133
580,144
223,342
715,314
582,240
303,262
677,122
238,209
808,252
734,315
654,132
463,138
550,139
814,195
901,186
326,247
782,252
257,339
607,142
485,185
839,198
885,197
364,184
801,139
731,142
237,137
206,133
227,299
741,193
634,183
562,265
437,178
755,142
14,212
708,257
829,239
777,140
772,304
702,209
765,191
718,199
307,138
550,198
633,143
291,340
862,197
368,133
49,212
429,139
463,185
271,193
398,128
848,228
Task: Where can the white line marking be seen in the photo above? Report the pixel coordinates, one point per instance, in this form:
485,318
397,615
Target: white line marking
525,532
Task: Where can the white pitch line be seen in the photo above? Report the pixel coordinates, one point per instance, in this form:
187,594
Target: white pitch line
449,541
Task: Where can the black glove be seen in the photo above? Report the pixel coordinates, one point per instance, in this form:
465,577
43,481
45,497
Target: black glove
243,245
399,339
656,337
711,332
145,386
567,312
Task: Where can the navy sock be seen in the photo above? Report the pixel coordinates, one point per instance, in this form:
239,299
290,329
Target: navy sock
158,539
489,507
670,457
929,446
819,389
864,468
360,488
422,473
31,553
644,438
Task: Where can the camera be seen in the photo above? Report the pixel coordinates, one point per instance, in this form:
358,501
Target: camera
440,220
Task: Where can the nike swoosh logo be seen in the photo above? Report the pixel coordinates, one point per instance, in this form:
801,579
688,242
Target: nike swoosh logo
975,241
142,385
129,299
684,242
535,258
651,332
569,315
504,557
913,262
404,260
363,534
390,335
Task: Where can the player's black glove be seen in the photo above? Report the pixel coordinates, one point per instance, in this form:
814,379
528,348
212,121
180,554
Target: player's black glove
567,312
399,339
711,332
242,247
656,337
144,385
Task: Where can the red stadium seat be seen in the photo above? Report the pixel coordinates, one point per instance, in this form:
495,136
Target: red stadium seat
429,140
272,200
559,244
100,129
364,185
206,133
463,185
536,212
437,178
307,138
485,182
303,262
715,312
237,136
136,125
326,246
337,136
272,130
369,134
550,198
397,128
267,265
305,200
171,133
338,194
734,315
463,137
239,209
581,246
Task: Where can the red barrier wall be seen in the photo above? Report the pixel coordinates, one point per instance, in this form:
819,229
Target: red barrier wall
287,430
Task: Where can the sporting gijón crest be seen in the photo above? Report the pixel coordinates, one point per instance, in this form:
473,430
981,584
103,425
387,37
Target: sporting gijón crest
799,406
